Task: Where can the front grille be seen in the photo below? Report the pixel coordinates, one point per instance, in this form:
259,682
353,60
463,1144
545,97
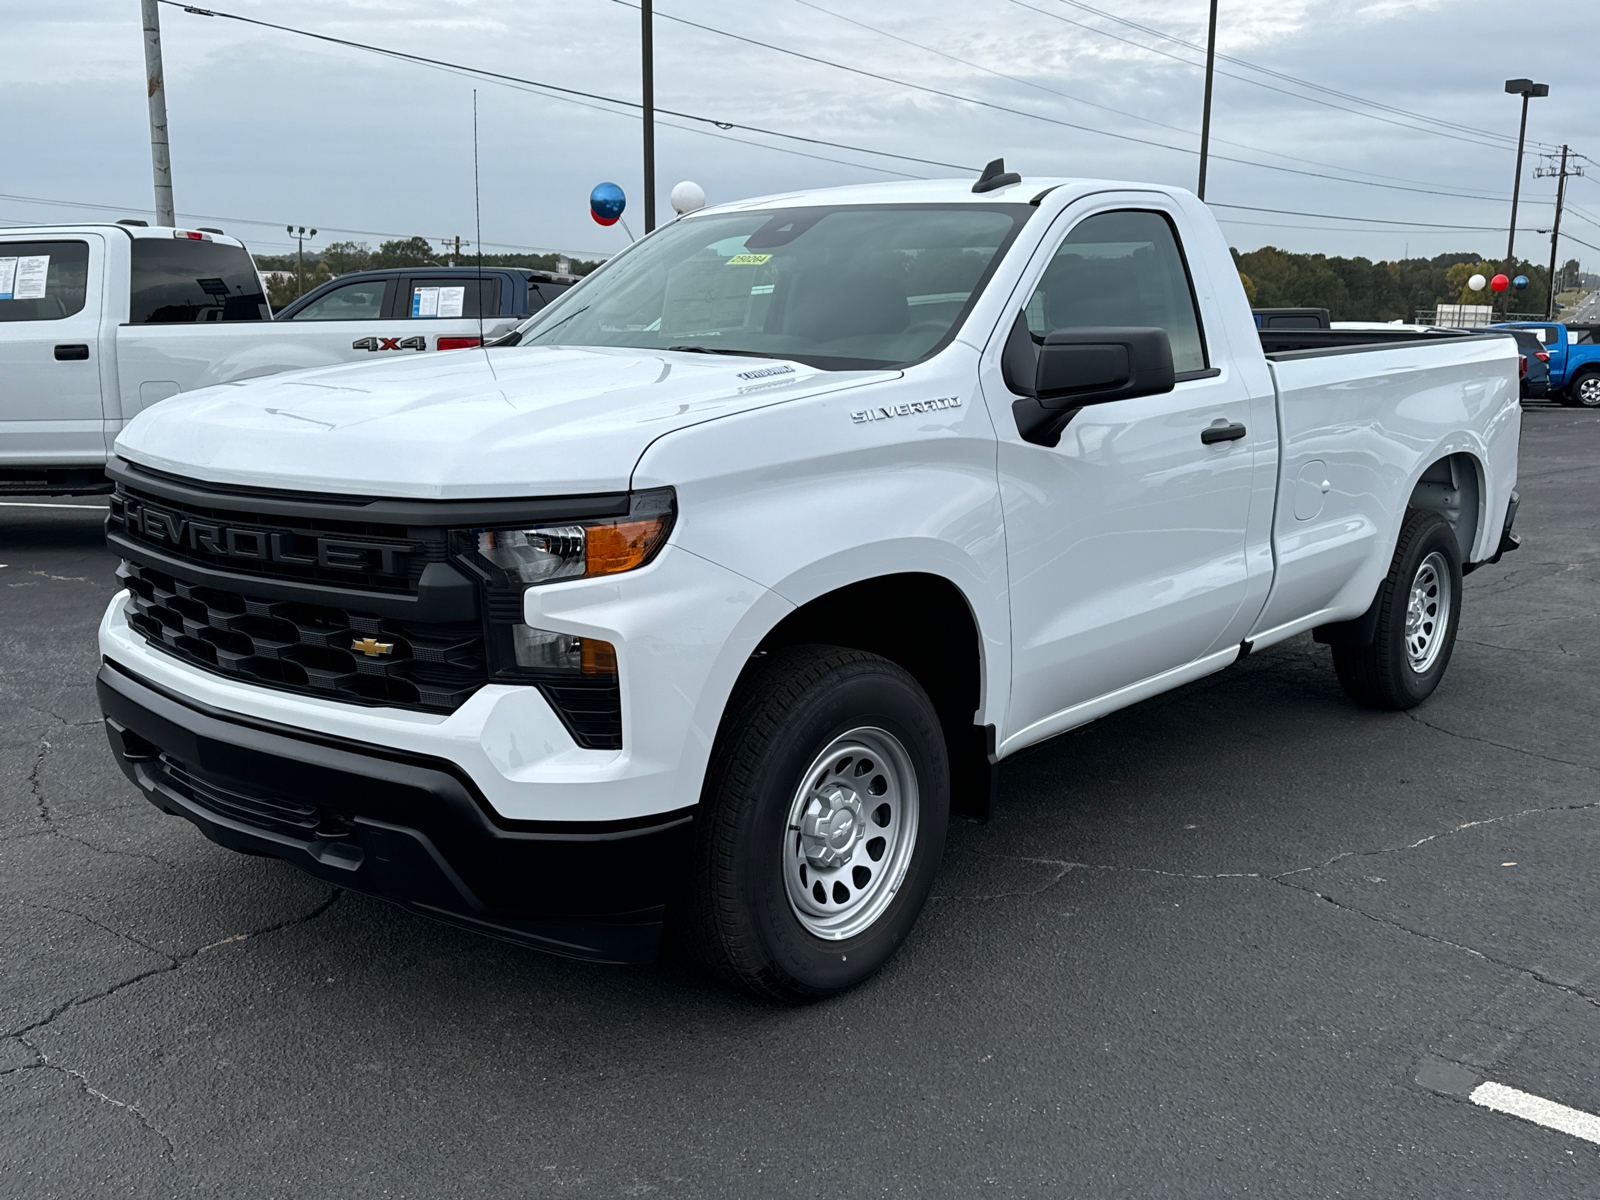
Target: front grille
244,540
362,600
308,647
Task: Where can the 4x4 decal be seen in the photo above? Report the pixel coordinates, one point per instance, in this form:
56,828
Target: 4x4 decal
385,343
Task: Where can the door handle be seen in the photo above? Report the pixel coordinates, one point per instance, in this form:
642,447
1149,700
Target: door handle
72,353
1222,433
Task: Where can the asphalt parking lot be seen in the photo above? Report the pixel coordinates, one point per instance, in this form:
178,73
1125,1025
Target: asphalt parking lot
1245,939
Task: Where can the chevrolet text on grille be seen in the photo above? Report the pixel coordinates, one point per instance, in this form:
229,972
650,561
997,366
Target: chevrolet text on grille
261,545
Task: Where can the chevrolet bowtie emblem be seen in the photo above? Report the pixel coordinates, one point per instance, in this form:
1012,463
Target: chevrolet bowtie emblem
372,647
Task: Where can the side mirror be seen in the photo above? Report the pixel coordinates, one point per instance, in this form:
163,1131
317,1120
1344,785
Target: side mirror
1077,367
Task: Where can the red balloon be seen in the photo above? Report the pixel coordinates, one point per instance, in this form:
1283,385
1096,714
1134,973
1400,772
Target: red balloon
1499,283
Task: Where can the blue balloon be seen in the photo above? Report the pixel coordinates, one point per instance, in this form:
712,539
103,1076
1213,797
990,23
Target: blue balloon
1520,283
606,203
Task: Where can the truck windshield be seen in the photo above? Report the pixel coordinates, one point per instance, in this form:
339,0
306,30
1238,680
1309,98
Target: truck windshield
843,287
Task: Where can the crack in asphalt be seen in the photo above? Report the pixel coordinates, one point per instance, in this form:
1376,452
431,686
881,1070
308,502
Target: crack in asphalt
173,963
35,787
1525,812
1529,972
1566,762
169,1151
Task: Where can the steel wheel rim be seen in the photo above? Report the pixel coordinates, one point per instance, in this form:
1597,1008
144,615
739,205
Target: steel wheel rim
1427,612
851,832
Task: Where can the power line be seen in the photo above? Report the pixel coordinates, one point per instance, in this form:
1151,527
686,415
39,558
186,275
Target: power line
1287,212
1292,78
967,62
563,92
1021,112
124,208
1255,82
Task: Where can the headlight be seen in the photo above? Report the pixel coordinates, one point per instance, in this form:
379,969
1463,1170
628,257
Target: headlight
510,561
548,553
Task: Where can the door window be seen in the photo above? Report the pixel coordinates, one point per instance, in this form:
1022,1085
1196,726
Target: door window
352,302
1121,269
42,281
430,299
180,282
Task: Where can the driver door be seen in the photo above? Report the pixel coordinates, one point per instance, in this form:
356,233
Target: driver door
1126,542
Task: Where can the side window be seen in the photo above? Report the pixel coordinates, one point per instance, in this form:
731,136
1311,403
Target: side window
1121,269
427,299
42,281
352,302
179,282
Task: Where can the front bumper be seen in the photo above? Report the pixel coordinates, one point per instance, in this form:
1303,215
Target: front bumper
406,827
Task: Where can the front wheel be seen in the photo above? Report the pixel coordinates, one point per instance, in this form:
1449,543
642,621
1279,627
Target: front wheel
1419,608
821,826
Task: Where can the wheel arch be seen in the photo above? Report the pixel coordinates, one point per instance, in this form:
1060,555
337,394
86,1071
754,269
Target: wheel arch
926,624
1454,486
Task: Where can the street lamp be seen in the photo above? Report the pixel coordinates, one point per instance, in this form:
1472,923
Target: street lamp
300,261
1527,89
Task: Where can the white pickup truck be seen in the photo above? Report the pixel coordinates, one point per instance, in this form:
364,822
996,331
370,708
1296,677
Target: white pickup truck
710,592
98,322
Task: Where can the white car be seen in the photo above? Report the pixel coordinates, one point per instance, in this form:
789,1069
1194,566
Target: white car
717,586
98,322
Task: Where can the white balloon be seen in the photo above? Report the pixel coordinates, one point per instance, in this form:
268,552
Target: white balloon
687,197
1477,283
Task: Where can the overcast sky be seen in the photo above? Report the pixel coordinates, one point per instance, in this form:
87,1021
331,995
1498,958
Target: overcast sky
269,127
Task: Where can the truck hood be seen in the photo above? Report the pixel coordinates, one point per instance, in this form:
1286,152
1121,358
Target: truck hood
519,421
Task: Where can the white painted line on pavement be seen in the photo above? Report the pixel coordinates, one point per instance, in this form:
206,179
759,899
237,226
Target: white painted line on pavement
1537,1109
30,504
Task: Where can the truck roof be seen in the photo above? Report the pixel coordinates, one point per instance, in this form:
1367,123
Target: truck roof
937,191
199,233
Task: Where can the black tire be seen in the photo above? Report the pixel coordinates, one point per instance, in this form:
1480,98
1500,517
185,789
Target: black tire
739,920
1383,674
1584,390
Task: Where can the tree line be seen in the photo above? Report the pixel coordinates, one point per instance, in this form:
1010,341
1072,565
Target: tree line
1358,289
341,258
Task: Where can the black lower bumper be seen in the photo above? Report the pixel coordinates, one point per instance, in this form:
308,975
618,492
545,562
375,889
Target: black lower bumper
407,828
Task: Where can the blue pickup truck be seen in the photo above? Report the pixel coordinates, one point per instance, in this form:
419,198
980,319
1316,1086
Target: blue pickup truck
1574,360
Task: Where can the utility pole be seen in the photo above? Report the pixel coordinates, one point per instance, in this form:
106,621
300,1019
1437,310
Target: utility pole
648,68
160,160
1527,89
1561,174
1205,112
300,261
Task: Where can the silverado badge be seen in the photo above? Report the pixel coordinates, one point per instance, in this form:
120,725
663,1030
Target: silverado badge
372,647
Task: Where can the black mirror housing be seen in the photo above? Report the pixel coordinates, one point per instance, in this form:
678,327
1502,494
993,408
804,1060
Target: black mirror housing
1077,367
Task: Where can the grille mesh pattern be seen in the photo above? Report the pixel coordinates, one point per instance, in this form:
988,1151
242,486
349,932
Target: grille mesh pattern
306,647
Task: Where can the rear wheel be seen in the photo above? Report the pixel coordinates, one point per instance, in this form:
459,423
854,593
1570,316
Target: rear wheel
822,823
1419,608
1584,391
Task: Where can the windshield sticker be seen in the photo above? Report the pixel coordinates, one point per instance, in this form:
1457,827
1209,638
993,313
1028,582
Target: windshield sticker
32,270
862,416
762,289
748,260
765,372
8,273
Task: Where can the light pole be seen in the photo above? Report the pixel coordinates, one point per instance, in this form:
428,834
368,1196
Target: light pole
1527,89
647,66
1205,111
300,261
